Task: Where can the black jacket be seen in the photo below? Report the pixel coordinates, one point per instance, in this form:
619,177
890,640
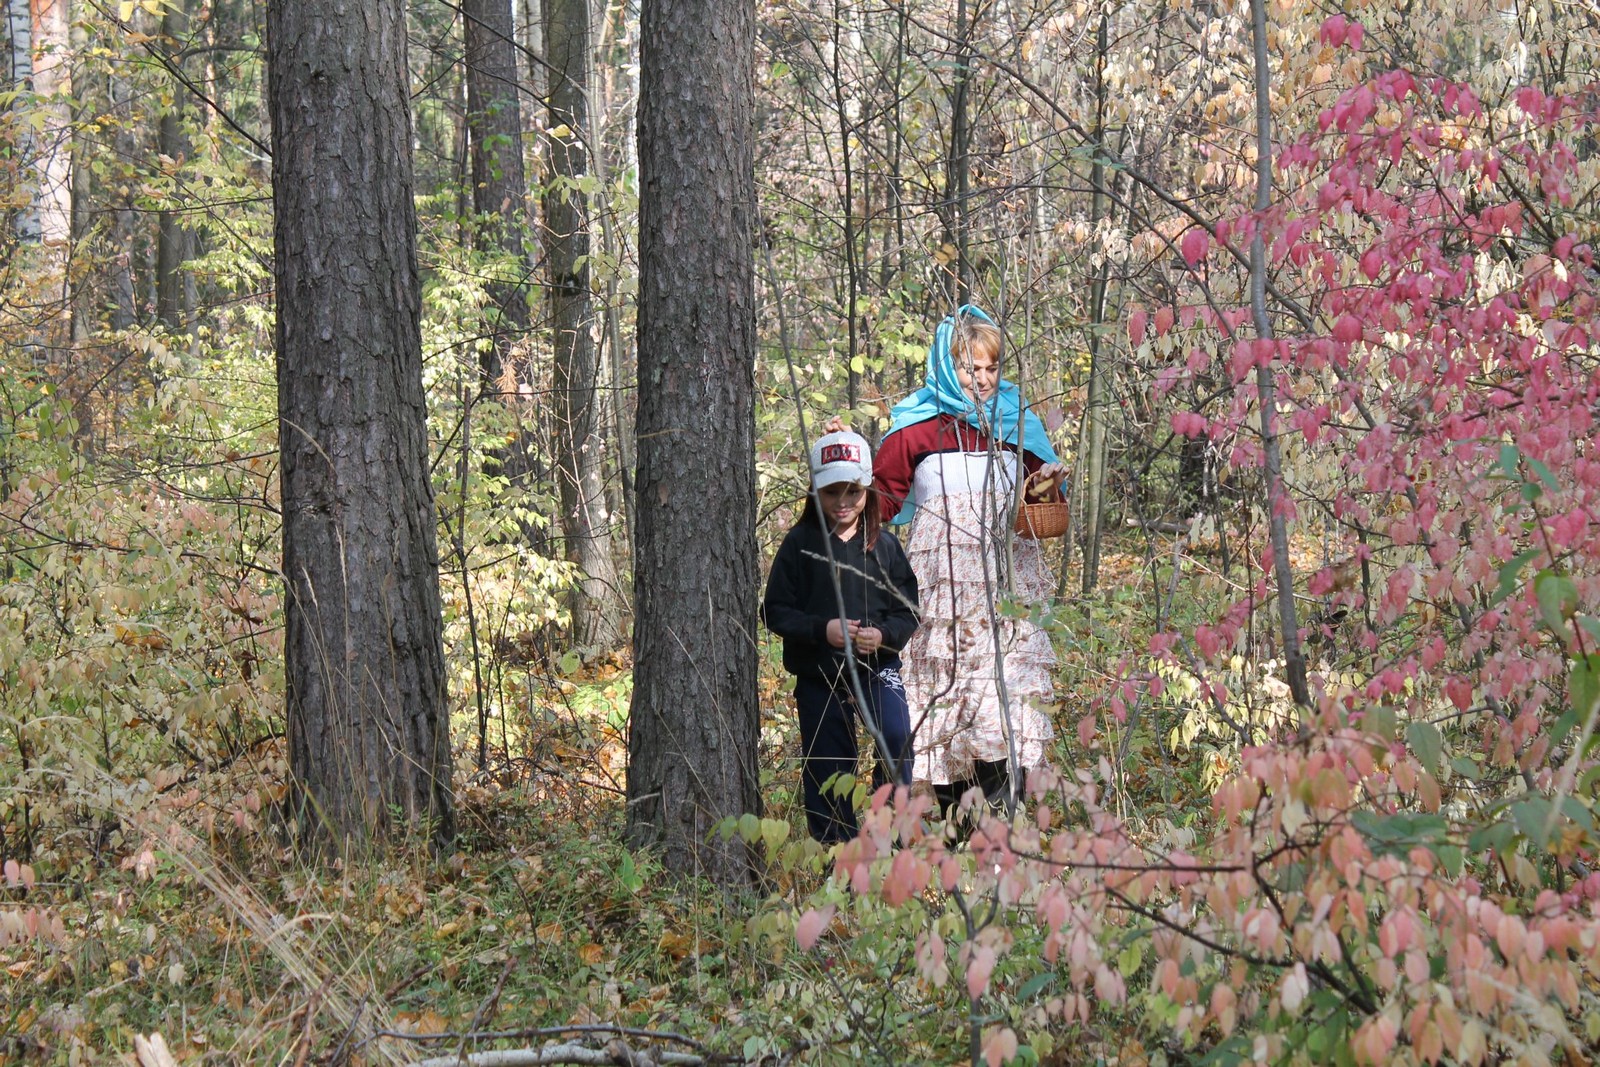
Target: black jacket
879,590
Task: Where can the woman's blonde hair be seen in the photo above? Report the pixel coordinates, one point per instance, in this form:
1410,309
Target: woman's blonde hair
974,337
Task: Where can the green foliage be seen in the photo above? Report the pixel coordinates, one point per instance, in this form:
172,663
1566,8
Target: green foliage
138,626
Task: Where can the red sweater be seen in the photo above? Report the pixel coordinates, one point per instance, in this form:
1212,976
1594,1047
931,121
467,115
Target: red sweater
898,456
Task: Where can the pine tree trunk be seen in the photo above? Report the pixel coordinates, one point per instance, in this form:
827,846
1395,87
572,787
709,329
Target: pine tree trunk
580,446
174,241
958,164
499,179
369,747
500,202
693,730
121,297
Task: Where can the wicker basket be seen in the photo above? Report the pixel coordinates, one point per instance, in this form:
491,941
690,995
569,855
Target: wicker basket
1041,519
1050,518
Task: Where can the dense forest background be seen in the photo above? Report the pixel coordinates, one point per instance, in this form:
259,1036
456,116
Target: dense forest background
1304,293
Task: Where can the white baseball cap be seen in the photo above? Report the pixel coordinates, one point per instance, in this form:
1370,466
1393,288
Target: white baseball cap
840,457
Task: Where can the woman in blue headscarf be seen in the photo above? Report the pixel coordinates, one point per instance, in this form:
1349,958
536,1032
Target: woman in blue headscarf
979,685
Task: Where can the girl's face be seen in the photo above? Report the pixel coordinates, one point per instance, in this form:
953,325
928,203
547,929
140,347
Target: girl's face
842,503
978,371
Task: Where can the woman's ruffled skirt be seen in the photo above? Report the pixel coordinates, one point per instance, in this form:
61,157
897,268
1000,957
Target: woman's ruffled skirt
977,681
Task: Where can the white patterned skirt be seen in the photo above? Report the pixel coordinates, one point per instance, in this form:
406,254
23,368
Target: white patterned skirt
977,683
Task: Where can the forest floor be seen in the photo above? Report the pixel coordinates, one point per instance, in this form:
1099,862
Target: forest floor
539,927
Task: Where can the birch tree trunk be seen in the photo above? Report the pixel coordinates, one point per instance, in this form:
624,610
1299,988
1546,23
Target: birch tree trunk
19,75
40,46
52,82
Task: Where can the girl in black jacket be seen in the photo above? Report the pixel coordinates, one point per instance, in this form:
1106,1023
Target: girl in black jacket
844,600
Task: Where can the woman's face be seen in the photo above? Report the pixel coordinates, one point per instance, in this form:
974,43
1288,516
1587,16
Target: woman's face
978,371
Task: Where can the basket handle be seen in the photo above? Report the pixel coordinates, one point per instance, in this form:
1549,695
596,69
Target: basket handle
1036,476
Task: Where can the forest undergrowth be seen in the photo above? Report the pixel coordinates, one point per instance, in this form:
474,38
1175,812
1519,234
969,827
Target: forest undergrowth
539,927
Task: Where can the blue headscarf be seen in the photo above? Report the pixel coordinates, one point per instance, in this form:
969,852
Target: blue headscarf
1002,415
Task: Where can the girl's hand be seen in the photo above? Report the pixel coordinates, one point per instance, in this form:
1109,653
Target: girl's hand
1046,480
836,632
835,425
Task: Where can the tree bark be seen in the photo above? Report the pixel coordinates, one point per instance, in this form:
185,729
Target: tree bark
1097,406
499,179
369,746
580,446
532,25
175,296
123,233
958,164
693,728
1277,505
500,205
24,223
39,34
52,81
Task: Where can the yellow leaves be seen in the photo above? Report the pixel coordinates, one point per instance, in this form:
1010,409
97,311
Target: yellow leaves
147,640
529,871
592,953
549,931
126,9
400,902
651,1001
426,1021
1524,872
1294,817
1474,1043
121,598
678,945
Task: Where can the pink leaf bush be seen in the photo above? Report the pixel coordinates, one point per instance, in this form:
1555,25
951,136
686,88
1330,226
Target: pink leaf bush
1413,848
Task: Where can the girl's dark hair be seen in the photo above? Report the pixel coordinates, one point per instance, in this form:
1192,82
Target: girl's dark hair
871,516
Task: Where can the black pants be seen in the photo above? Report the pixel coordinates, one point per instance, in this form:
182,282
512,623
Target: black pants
994,778
828,743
